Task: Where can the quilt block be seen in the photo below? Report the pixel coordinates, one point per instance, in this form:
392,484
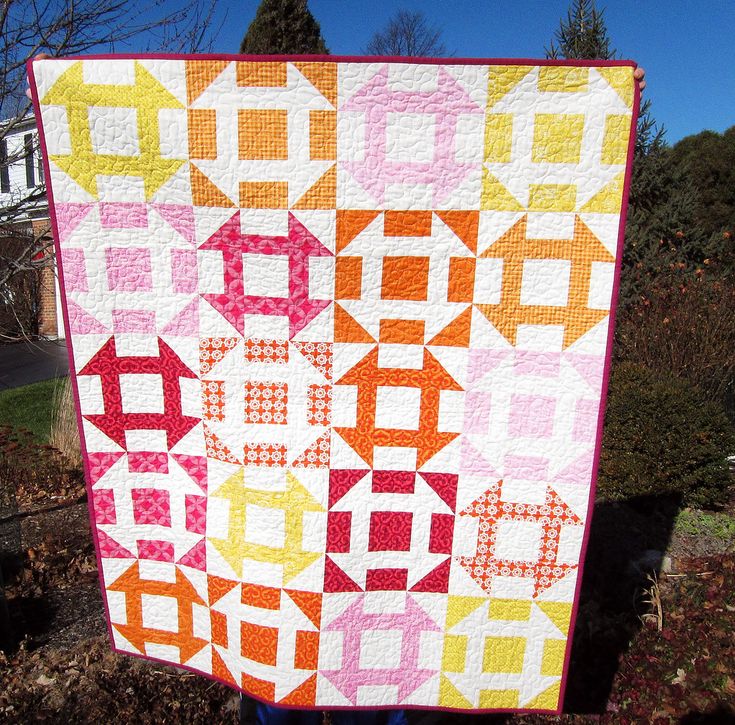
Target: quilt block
339,330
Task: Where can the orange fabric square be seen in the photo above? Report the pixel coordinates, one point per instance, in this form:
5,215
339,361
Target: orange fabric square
306,656
213,400
262,74
264,194
219,628
202,133
262,133
256,595
405,278
259,643
402,332
265,454
319,410
461,279
323,135
259,688
348,278
407,224
266,403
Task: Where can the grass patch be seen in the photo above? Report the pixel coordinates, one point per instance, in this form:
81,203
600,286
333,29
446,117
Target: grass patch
29,407
718,524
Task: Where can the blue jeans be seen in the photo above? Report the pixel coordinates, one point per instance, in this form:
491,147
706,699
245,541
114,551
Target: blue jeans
270,715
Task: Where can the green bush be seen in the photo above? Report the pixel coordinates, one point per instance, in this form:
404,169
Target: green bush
663,437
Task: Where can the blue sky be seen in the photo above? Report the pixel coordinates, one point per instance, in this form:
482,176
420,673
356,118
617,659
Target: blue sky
685,47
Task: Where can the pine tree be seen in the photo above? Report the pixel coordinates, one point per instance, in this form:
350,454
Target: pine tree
583,35
283,27
661,229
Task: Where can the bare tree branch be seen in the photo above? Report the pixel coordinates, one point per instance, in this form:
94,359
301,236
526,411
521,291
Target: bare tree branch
407,33
66,28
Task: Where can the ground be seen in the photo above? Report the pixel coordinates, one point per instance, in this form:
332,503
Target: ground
648,649
653,644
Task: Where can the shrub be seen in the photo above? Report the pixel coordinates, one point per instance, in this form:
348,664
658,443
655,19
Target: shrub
685,326
662,437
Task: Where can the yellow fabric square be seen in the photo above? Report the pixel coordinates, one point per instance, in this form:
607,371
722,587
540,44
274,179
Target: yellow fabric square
498,137
552,661
517,610
564,79
557,138
552,197
262,133
615,140
504,654
455,653
498,699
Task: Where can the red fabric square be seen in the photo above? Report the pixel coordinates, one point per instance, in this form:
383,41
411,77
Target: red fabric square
393,481
339,527
390,531
441,534
381,580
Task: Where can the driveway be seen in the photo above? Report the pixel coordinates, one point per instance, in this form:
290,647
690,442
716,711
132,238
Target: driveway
23,363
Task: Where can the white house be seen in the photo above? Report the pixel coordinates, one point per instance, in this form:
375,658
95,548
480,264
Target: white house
23,205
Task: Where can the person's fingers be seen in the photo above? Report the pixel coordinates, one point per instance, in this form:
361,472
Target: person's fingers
640,75
40,56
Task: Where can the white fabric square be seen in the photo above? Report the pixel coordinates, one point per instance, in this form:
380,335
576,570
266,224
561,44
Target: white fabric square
265,275
545,282
381,649
601,285
265,526
141,392
518,540
409,137
160,612
397,407
488,281
114,131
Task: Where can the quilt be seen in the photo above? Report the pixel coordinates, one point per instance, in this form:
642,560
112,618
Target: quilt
339,330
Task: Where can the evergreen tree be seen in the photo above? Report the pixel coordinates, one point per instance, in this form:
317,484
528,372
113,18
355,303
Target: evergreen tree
283,27
661,231
583,35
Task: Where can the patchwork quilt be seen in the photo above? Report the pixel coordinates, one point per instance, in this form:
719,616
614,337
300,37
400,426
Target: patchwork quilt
339,331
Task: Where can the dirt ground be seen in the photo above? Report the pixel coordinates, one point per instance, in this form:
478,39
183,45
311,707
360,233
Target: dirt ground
651,646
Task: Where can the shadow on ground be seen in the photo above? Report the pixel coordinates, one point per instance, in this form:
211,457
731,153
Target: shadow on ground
626,549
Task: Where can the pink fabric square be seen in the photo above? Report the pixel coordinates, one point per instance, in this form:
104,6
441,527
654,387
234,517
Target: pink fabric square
147,462
531,416
184,276
196,513
151,506
155,550
542,364
141,321
585,421
129,269
103,502
129,215
75,270
476,412
526,468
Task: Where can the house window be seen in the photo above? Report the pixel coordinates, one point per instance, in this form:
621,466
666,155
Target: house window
4,175
30,160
